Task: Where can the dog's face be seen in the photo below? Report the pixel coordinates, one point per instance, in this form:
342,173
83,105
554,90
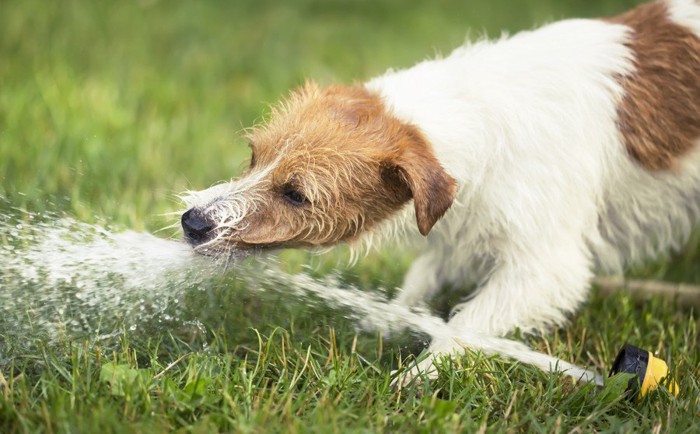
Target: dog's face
329,165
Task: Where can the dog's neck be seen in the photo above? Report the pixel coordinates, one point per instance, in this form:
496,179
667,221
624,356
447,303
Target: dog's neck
503,93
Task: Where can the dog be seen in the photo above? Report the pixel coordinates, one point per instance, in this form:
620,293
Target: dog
520,165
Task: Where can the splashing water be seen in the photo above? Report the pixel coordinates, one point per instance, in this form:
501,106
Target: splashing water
63,278
392,317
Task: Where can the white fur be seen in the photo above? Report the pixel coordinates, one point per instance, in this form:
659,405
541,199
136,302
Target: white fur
686,13
527,127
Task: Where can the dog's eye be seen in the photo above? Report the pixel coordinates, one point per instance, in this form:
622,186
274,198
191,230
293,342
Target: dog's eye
294,197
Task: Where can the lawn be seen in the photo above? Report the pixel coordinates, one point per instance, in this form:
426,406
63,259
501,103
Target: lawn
108,109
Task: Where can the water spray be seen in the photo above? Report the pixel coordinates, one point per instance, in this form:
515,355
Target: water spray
66,276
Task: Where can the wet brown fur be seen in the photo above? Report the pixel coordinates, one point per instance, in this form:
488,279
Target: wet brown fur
659,116
355,163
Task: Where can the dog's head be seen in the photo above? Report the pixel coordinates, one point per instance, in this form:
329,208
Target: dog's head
329,165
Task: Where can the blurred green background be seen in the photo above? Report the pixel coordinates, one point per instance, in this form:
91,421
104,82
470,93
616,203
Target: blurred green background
109,108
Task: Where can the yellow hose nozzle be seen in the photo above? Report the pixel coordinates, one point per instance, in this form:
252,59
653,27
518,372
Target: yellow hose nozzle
649,371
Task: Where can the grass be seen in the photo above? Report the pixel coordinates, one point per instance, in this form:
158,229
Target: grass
109,108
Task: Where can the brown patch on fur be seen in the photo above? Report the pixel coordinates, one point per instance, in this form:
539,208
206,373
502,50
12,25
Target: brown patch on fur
659,116
353,161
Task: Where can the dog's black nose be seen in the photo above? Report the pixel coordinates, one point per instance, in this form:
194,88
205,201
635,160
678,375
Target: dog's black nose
196,226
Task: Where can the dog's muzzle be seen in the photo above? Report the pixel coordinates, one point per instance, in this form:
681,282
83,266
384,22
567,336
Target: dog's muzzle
197,226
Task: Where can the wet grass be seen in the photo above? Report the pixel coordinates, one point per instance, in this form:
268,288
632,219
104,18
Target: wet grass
107,109
271,365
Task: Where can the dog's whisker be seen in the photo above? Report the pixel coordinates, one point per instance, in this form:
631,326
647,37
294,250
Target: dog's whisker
174,226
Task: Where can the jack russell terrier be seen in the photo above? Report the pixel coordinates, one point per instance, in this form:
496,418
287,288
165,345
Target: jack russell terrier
521,165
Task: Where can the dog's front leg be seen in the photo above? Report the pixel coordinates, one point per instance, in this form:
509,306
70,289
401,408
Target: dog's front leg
527,291
421,281
530,289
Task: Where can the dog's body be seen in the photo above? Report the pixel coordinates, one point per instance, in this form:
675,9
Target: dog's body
527,162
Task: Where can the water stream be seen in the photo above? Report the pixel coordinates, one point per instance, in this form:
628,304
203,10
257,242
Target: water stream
60,278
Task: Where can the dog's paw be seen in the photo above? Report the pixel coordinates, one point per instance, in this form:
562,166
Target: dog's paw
415,374
426,367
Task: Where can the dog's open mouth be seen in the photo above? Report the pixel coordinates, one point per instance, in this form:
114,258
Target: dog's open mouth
215,239
222,247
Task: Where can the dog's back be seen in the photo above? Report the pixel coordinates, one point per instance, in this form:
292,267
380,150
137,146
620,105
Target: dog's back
609,110
573,143
652,202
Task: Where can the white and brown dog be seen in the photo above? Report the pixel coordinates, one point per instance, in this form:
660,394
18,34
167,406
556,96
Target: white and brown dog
527,163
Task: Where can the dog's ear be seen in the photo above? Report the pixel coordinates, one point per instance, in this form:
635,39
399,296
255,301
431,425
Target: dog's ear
352,105
432,189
